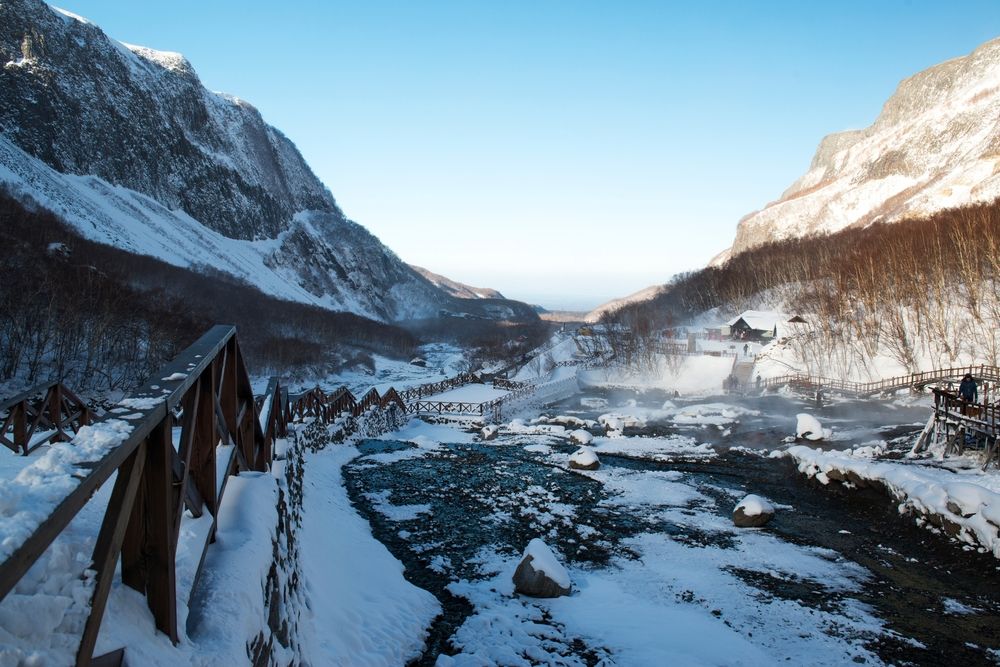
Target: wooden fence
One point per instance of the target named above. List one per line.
(223, 430)
(432, 388)
(46, 413)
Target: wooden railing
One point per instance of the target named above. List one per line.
(492, 408)
(988, 373)
(432, 388)
(511, 385)
(164, 471)
(46, 413)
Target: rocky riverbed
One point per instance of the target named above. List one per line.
(658, 568)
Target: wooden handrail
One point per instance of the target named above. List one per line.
(206, 391)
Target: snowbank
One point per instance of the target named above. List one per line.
(363, 610)
(966, 510)
(656, 449)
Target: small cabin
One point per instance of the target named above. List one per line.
(758, 325)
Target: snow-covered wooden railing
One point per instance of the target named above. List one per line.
(47, 413)
(432, 388)
(206, 392)
(173, 444)
(809, 382)
(326, 407)
(491, 409)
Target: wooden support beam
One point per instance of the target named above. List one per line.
(203, 464)
(161, 584)
(108, 547)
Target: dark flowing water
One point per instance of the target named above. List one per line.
(913, 571)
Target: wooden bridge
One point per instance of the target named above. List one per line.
(913, 381)
(195, 424)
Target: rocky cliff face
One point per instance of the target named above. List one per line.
(126, 144)
(936, 145)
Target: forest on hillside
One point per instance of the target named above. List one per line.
(918, 290)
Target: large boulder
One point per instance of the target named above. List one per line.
(490, 431)
(584, 458)
(540, 574)
(581, 437)
(753, 512)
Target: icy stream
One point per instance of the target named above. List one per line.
(659, 570)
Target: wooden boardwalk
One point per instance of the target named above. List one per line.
(912, 381)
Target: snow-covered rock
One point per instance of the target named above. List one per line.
(808, 428)
(540, 574)
(581, 436)
(489, 432)
(616, 423)
(584, 459)
(753, 512)
(933, 147)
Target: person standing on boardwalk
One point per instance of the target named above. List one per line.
(967, 390)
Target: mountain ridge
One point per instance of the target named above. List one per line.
(126, 145)
(932, 147)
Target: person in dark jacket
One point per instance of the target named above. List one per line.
(968, 391)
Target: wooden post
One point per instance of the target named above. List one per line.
(161, 584)
(21, 427)
(56, 411)
(203, 472)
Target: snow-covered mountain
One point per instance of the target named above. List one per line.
(457, 289)
(936, 145)
(125, 144)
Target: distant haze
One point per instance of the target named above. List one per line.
(562, 152)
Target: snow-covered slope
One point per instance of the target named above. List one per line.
(642, 295)
(936, 145)
(457, 289)
(127, 145)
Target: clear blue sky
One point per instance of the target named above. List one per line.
(562, 152)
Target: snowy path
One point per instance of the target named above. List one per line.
(363, 611)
